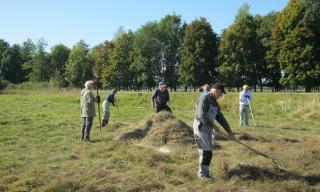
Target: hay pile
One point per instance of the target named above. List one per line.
(161, 128)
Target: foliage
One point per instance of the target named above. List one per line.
(58, 57)
(39, 65)
(199, 52)
(101, 56)
(118, 73)
(240, 53)
(79, 65)
(296, 45)
(11, 65)
(147, 57)
(171, 36)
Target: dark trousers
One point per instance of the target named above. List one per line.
(86, 127)
(163, 108)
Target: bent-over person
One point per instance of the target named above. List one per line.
(110, 99)
(160, 99)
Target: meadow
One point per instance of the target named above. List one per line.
(40, 147)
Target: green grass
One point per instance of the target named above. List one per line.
(40, 148)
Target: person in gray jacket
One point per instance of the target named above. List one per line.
(208, 110)
(87, 109)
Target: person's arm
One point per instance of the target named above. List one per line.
(112, 100)
(154, 95)
(205, 105)
(90, 97)
(224, 123)
(242, 98)
(216, 128)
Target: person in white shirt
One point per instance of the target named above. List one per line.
(245, 99)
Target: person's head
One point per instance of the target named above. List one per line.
(217, 90)
(89, 84)
(205, 88)
(114, 91)
(246, 88)
(162, 86)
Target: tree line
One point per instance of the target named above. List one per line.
(278, 50)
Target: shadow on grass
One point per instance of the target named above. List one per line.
(135, 134)
(295, 129)
(248, 137)
(251, 172)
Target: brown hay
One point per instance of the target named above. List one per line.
(162, 128)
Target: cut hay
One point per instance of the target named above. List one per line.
(161, 128)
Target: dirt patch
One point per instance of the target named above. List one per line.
(73, 157)
(291, 140)
(161, 128)
(116, 125)
(316, 154)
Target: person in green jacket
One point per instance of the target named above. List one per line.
(87, 109)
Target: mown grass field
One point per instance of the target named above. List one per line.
(40, 149)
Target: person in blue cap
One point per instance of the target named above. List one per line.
(160, 98)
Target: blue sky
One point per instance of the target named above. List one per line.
(68, 21)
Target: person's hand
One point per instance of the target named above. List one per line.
(200, 125)
(168, 103)
(98, 98)
(232, 137)
(247, 96)
(216, 129)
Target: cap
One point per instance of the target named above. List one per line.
(219, 86)
(161, 83)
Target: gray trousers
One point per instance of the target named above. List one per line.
(86, 127)
(204, 137)
(106, 113)
(244, 114)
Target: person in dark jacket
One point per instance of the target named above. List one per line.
(160, 99)
(208, 110)
(110, 99)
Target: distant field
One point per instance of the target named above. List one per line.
(40, 148)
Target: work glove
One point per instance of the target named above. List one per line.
(98, 98)
(232, 137)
